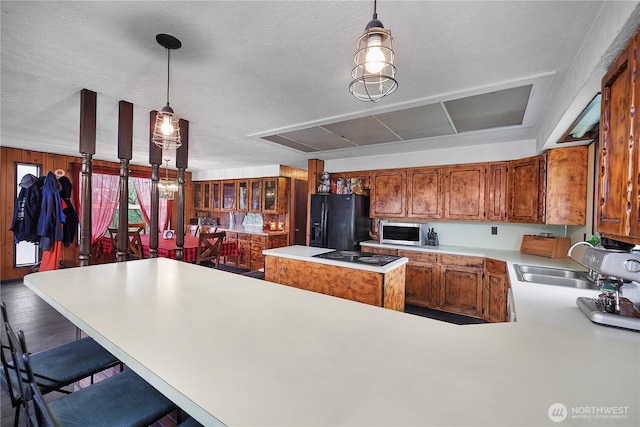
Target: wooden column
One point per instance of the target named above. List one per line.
(155, 159)
(87, 149)
(125, 148)
(182, 160)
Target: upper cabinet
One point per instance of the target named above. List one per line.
(255, 195)
(565, 192)
(388, 190)
(228, 195)
(242, 197)
(215, 195)
(524, 187)
(464, 192)
(274, 195)
(496, 191)
(424, 198)
(618, 203)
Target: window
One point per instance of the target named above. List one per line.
(26, 253)
(135, 212)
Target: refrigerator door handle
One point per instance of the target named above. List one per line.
(325, 238)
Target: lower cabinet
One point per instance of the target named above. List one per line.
(250, 247)
(496, 283)
(461, 284)
(471, 286)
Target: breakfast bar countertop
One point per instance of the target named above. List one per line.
(243, 351)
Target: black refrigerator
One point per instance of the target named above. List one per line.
(339, 221)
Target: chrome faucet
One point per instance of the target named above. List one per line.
(593, 275)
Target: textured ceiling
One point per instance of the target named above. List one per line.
(247, 70)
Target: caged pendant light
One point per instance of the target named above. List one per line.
(167, 186)
(166, 132)
(374, 73)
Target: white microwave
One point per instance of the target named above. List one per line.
(401, 233)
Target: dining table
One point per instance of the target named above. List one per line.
(167, 247)
(234, 350)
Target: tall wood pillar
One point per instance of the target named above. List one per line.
(125, 148)
(87, 149)
(155, 159)
(182, 161)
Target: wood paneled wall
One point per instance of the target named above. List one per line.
(9, 157)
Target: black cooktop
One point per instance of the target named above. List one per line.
(358, 257)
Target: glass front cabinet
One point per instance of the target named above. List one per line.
(255, 195)
(243, 196)
(274, 195)
(228, 195)
(215, 195)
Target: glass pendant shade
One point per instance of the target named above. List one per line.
(374, 73)
(166, 132)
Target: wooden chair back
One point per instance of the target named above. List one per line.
(140, 226)
(134, 243)
(209, 248)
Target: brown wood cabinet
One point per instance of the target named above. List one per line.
(618, 203)
(259, 243)
(368, 287)
(464, 192)
(524, 188)
(496, 191)
(274, 195)
(255, 195)
(228, 194)
(242, 198)
(422, 281)
(388, 192)
(425, 190)
(461, 284)
(565, 199)
(496, 285)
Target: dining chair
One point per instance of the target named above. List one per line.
(54, 368)
(140, 226)
(134, 243)
(192, 230)
(209, 248)
(124, 399)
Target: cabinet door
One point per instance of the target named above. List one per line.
(425, 193)
(228, 195)
(461, 284)
(231, 237)
(615, 163)
(422, 279)
(496, 194)
(197, 195)
(495, 292)
(524, 190)
(243, 195)
(244, 251)
(206, 195)
(566, 186)
(464, 192)
(215, 195)
(388, 193)
(255, 195)
(274, 195)
(634, 169)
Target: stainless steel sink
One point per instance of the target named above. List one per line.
(554, 276)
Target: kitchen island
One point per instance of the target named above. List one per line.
(249, 352)
(297, 266)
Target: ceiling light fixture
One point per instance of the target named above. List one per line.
(167, 186)
(374, 73)
(166, 133)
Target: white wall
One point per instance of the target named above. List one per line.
(238, 173)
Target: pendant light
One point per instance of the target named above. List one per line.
(167, 186)
(374, 73)
(166, 133)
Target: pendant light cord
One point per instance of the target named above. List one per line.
(168, 62)
(375, 14)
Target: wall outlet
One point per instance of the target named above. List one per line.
(494, 231)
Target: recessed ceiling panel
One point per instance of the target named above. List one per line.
(489, 110)
(363, 131)
(419, 122)
(318, 138)
(289, 143)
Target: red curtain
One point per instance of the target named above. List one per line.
(143, 192)
(104, 198)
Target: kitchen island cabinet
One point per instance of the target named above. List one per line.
(295, 266)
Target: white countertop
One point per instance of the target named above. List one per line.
(240, 351)
(538, 303)
(307, 253)
(251, 229)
